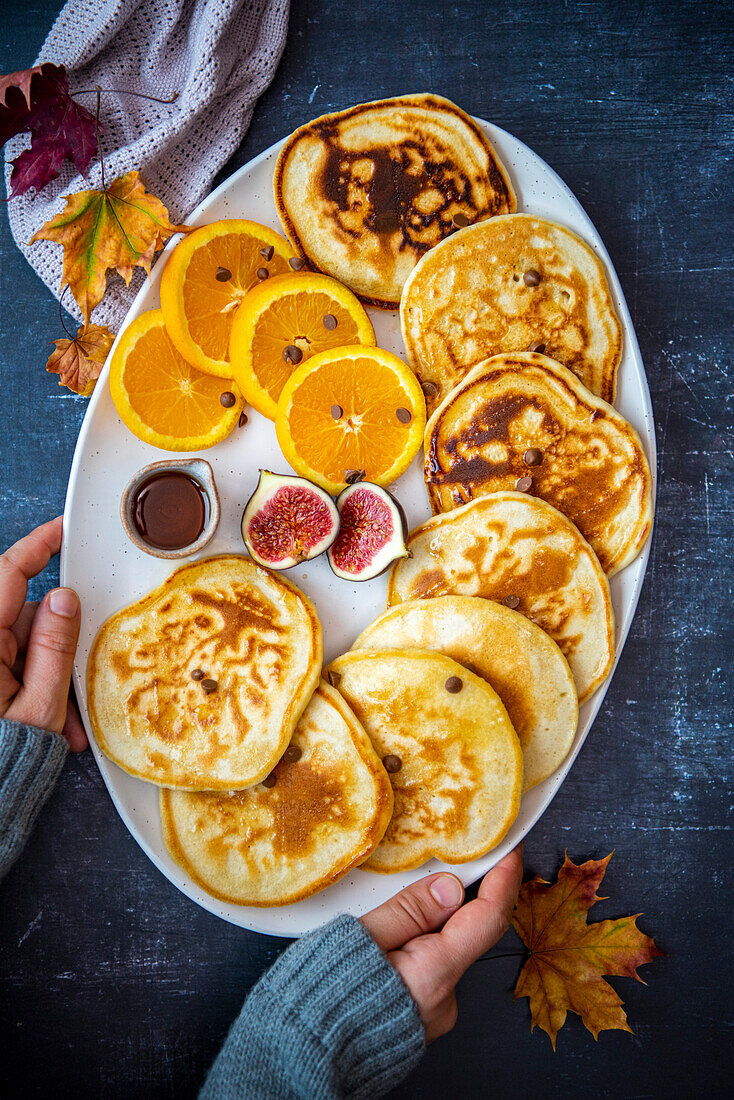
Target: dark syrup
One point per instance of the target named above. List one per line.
(170, 510)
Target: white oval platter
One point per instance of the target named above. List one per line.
(108, 572)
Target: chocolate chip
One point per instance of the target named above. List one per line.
(404, 415)
(334, 678)
(538, 346)
(392, 763)
(197, 674)
(523, 484)
(330, 321)
(512, 602)
(227, 399)
(262, 273)
(223, 274)
(292, 753)
(454, 684)
(531, 277)
(430, 389)
(208, 686)
(269, 780)
(296, 263)
(352, 476)
(242, 420)
(336, 412)
(267, 252)
(292, 354)
(460, 220)
(533, 456)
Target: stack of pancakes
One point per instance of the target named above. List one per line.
(274, 782)
(464, 693)
(210, 688)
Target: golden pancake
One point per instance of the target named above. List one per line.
(516, 548)
(364, 193)
(518, 659)
(524, 421)
(326, 811)
(469, 299)
(458, 779)
(199, 684)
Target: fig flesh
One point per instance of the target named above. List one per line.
(288, 520)
(372, 532)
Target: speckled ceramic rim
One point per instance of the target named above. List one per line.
(202, 472)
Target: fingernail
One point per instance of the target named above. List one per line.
(64, 602)
(447, 891)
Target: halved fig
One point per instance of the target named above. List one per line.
(288, 520)
(372, 532)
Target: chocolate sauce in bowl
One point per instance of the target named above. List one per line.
(169, 510)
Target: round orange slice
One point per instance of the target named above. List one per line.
(351, 408)
(206, 277)
(161, 398)
(286, 321)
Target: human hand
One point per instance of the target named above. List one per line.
(430, 961)
(38, 641)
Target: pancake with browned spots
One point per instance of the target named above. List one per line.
(364, 193)
(518, 550)
(453, 757)
(518, 659)
(321, 812)
(524, 421)
(506, 285)
(199, 684)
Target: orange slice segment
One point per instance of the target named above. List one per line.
(286, 321)
(161, 398)
(351, 408)
(206, 277)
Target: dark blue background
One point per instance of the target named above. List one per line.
(111, 982)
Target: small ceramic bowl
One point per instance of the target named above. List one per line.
(200, 471)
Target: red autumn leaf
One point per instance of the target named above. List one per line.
(78, 362)
(38, 101)
(569, 957)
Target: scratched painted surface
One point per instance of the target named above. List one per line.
(113, 984)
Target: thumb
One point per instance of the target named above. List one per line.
(42, 700)
(480, 923)
(422, 907)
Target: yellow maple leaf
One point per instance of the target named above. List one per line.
(568, 956)
(78, 362)
(120, 228)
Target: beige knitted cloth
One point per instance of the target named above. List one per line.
(219, 55)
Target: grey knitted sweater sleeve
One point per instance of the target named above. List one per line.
(331, 1019)
(30, 763)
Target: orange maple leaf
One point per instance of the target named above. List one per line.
(568, 956)
(78, 362)
(120, 228)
